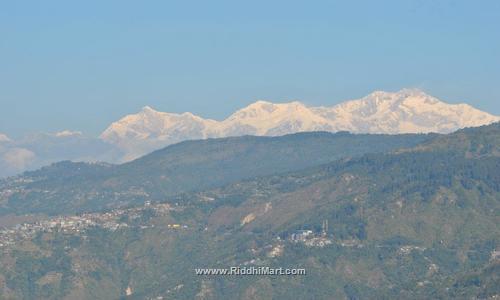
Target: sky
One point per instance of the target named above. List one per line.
(80, 65)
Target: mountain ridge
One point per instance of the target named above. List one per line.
(184, 167)
(405, 111)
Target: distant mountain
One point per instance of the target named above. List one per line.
(406, 111)
(188, 166)
(151, 130)
(37, 150)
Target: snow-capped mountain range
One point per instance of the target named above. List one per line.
(406, 111)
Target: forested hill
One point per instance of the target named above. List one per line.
(471, 142)
(68, 187)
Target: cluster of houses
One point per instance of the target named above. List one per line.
(79, 223)
(311, 239)
(177, 226)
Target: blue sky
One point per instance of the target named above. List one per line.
(81, 65)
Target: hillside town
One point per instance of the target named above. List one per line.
(75, 224)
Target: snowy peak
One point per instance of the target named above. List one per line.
(379, 101)
(266, 118)
(68, 133)
(149, 122)
(148, 109)
(262, 108)
(405, 111)
(149, 129)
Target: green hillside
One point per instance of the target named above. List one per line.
(68, 187)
